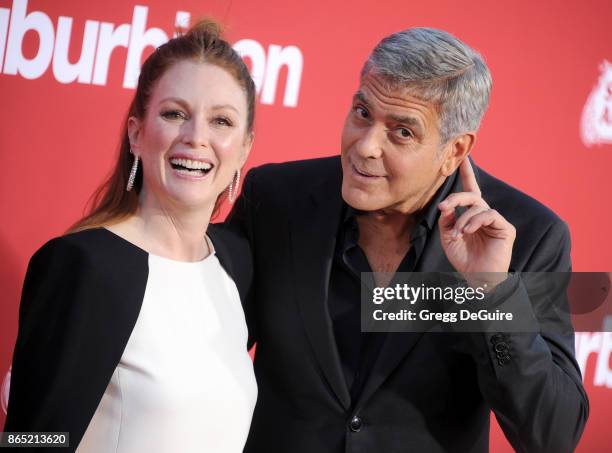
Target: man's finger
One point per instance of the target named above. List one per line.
(468, 178)
(467, 216)
(493, 219)
(446, 221)
(462, 199)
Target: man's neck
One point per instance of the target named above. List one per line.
(385, 240)
(385, 226)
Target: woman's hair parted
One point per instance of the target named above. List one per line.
(111, 203)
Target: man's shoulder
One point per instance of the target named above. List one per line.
(228, 239)
(312, 171)
(516, 206)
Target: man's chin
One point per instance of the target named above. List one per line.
(359, 200)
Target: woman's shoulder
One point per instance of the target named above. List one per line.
(68, 269)
(95, 246)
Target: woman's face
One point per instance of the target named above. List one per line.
(193, 136)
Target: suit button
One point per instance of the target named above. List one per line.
(355, 424)
(501, 347)
(503, 360)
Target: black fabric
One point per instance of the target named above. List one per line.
(80, 301)
(428, 392)
(358, 350)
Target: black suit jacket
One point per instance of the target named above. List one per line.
(429, 392)
(80, 301)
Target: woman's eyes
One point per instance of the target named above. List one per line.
(223, 121)
(174, 115)
(180, 115)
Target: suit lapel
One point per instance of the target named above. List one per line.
(398, 345)
(394, 349)
(314, 225)
(314, 228)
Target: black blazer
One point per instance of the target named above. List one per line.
(80, 301)
(429, 392)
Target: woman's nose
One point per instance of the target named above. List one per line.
(196, 133)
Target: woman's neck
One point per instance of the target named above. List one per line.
(167, 229)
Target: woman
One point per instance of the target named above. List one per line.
(131, 332)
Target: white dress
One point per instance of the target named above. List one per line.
(185, 382)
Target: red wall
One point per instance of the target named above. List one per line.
(548, 130)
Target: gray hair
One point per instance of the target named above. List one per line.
(442, 69)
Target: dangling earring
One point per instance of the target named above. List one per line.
(132, 177)
(233, 187)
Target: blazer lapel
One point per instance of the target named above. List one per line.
(314, 225)
(394, 349)
(398, 345)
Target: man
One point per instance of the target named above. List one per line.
(389, 203)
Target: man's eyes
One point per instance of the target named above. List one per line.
(400, 132)
(403, 132)
(361, 111)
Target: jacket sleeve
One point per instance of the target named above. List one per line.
(241, 221)
(44, 369)
(531, 379)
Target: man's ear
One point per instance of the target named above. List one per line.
(134, 127)
(455, 151)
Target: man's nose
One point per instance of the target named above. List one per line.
(370, 144)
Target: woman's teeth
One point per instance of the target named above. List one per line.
(191, 167)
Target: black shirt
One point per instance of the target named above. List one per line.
(358, 350)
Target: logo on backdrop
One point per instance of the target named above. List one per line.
(100, 39)
(595, 350)
(596, 122)
(4, 395)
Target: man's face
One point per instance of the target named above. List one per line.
(391, 150)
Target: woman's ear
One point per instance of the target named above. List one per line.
(133, 130)
(246, 150)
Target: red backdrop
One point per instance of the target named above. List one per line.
(548, 130)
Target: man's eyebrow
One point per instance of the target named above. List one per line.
(359, 96)
(411, 120)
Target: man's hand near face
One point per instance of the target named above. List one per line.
(479, 240)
